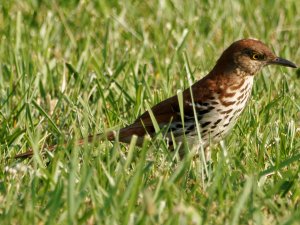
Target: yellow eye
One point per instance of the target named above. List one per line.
(255, 56)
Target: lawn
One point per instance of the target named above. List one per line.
(73, 68)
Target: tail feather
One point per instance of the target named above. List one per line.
(109, 136)
(123, 135)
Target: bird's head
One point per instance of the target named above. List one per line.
(249, 56)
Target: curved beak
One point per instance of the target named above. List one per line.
(282, 62)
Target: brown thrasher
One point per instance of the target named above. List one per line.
(217, 100)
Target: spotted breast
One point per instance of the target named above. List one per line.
(217, 115)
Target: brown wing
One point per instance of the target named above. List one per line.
(167, 112)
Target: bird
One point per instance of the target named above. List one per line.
(213, 103)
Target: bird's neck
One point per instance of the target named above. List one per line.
(232, 79)
(239, 84)
(229, 87)
(236, 92)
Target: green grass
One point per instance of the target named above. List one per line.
(73, 68)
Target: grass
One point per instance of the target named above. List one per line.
(73, 68)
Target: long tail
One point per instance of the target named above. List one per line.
(109, 136)
(124, 135)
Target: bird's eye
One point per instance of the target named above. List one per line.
(255, 56)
